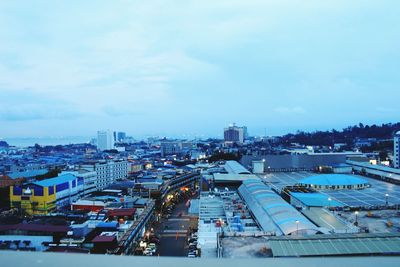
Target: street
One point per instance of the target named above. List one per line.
(174, 230)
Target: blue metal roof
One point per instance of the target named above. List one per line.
(27, 174)
(333, 179)
(57, 180)
(316, 200)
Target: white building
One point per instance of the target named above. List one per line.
(396, 150)
(108, 172)
(89, 178)
(105, 140)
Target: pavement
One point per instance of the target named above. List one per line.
(173, 238)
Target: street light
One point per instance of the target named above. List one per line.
(356, 213)
(386, 198)
(329, 203)
(297, 227)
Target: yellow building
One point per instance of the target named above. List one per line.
(43, 197)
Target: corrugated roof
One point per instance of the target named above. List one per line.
(232, 166)
(272, 212)
(331, 245)
(57, 180)
(333, 179)
(27, 174)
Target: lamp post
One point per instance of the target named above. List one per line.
(297, 227)
(386, 199)
(356, 213)
(329, 203)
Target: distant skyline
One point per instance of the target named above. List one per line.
(153, 68)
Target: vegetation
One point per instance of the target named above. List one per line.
(346, 136)
(224, 156)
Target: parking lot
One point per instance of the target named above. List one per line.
(369, 197)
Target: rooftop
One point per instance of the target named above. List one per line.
(333, 179)
(56, 180)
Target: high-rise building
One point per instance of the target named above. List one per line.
(121, 136)
(235, 134)
(396, 150)
(105, 140)
(170, 148)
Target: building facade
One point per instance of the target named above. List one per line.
(396, 150)
(105, 140)
(50, 195)
(107, 172)
(235, 134)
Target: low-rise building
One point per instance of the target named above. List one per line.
(47, 196)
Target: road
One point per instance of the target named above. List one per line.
(173, 238)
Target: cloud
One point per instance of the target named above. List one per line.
(25, 105)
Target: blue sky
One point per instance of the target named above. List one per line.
(69, 68)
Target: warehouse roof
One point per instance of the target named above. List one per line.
(339, 244)
(333, 179)
(272, 212)
(234, 167)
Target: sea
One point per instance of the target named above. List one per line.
(46, 141)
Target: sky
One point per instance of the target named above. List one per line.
(190, 68)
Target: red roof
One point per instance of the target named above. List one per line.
(122, 212)
(103, 239)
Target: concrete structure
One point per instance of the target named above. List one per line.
(333, 182)
(47, 196)
(385, 173)
(105, 140)
(121, 136)
(89, 177)
(396, 150)
(301, 162)
(170, 148)
(258, 166)
(235, 134)
(107, 171)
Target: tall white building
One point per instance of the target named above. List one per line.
(105, 140)
(396, 150)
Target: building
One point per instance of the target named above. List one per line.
(121, 136)
(89, 178)
(105, 140)
(334, 182)
(396, 150)
(235, 134)
(273, 214)
(46, 196)
(170, 148)
(107, 171)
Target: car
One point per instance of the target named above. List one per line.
(151, 249)
(148, 252)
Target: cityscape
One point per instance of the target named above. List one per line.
(192, 133)
(297, 195)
